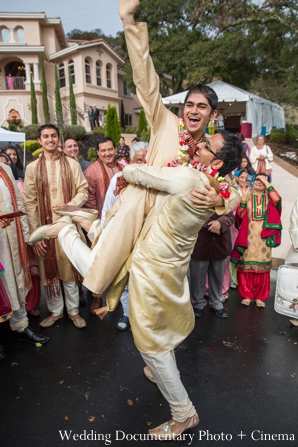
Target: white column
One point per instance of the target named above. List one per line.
(36, 79)
(27, 73)
(11, 35)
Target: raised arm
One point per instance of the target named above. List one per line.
(144, 75)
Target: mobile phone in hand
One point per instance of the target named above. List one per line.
(248, 180)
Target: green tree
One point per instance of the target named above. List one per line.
(112, 128)
(142, 124)
(34, 119)
(58, 103)
(45, 104)
(122, 115)
(72, 101)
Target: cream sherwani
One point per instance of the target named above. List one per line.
(79, 197)
(126, 217)
(14, 277)
(161, 314)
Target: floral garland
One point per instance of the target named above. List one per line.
(182, 159)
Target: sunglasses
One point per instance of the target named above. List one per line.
(208, 148)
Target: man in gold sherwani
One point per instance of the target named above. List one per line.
(126, 217)
(51, 182)
(161, 314)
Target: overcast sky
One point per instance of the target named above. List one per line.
(82, 14)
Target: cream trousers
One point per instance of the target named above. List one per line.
(166, 375)
(76, 250)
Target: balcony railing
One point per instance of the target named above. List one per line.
(12, 83)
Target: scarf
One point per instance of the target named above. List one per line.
(271, 230)
(21, 242)
(44, 199)
(106, 180)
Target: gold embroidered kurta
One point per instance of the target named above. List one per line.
(134, 203)
(79, 196)
(160, 311)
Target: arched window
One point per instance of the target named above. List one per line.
(98, 74)
(20, 35)
(72, 71)
(109, 78)
(4, 35)
(62, 75)
(87, 71)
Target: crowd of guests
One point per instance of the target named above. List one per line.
(232, 250)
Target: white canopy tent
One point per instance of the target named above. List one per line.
(6, 136)
(261, 113)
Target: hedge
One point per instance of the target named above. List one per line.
(31, 145)
(277, 136)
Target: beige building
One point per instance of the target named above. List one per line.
(24, 37)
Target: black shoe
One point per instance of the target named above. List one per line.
(123, 323)
(29, 336)
(2, 353)
(198, 313)
(221, 313)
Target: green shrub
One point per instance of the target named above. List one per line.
(92, 154)
(37, 153)
(31, 131)
(291, 134)
(129, 130)
(74, 132)
(142, 125)
(31, 145)
(277, 136)
(98, 131)
(11, 127)
(145, 135)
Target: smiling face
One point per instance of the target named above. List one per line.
(49, 141)
(259, 185)
(106, 152)
(121, 141)
(197, 114)
(13, 154)
(71, 148)
(261, 141)
(242, 178)
(206, 152)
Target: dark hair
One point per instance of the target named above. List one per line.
(230, 153)
(206, 91)
(19, 162)
(136, 140)
(47, 126)
(262, 173)
(104, 140)
(11, 164)
(249, 167)
(243, 171)
(240, 136)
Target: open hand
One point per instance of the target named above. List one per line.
(40, 248)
